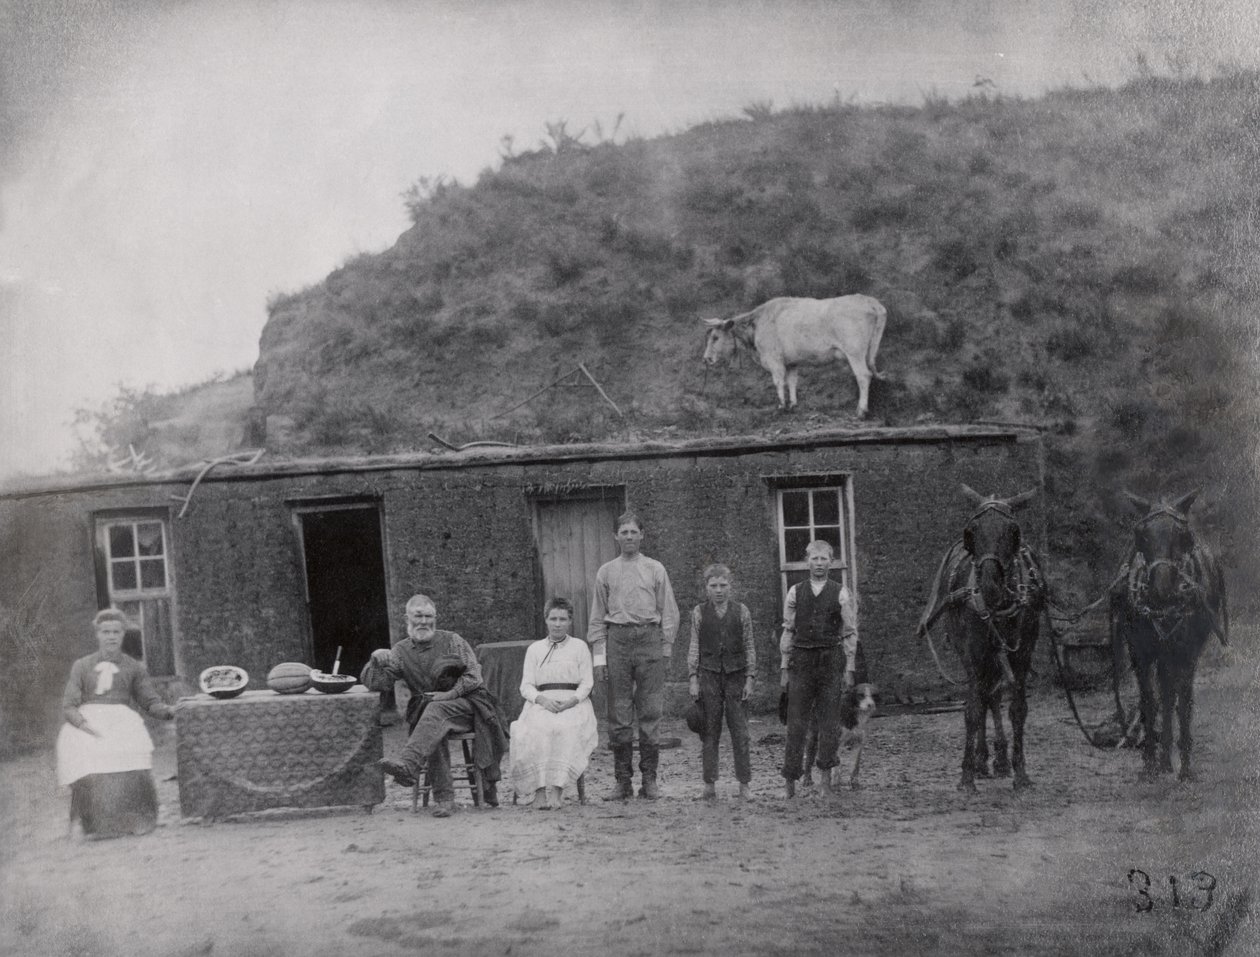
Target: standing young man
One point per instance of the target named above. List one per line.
(634, 620)
(721, 669)
(818, 662)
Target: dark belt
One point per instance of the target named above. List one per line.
(628, 624)
(558, 686)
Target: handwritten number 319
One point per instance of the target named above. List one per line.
(1197, 896)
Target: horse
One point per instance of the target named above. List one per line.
(991, 592)
(1167, 602)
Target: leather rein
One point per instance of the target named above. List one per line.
(1028, 585)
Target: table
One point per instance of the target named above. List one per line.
(502, 665)
(264, 750)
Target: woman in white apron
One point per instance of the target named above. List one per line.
(553, 738)
(104, 752)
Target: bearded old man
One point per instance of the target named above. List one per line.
(447, 697)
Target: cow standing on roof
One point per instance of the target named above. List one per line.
(787, 333)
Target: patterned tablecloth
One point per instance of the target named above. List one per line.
(264, 750)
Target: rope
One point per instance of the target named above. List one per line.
(1054, 645)
(1073, 618)
(960, 595)
(939, 667)
(997, 635)
(1126, 726)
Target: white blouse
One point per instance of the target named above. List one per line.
(562, 662)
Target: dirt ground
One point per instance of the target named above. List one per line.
(907, 865)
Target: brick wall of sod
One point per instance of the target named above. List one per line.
(465, 535)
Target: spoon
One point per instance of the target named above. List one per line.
(337, 663)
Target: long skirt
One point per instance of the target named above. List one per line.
(113, 805)
(551, 750)
(111, 785)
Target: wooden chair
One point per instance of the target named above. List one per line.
(465, 771)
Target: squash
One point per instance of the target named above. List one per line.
(289, 677)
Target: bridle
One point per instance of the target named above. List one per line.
(1027, 585)
(1003, 509)
(1189, 594)
(1026, 597)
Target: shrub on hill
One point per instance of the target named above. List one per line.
(1084, 260)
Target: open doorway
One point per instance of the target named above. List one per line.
(343, 555)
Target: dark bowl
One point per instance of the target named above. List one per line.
(331, 684)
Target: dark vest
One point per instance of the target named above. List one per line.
(818, 620)
(722, 639)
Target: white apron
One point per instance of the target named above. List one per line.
(124, 744)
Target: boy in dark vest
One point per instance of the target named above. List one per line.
(818, 660)
(722, 668)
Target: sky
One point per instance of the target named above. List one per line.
(167, 166)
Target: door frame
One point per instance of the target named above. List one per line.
(847, 562)
(336, 503)
(101, 519)
(585, 493)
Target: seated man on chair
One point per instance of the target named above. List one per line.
(427, 660)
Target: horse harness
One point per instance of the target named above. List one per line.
(1028, 586)
(1023, 583)
(1191, 595)
(1026, 593)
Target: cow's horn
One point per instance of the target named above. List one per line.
(972, 494)
(712, 323)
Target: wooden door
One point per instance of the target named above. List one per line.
(574, 536)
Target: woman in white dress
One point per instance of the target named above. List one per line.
(553, 738)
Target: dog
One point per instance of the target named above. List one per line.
(860, 709)
(854, 739)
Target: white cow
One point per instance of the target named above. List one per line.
(790, 332)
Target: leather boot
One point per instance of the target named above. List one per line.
(399, 771)
(649, 758)
(623, 768)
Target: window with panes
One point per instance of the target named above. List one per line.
(136, 555)
(812, 512)
(133, 563)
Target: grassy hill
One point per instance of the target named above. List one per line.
(1088, 260)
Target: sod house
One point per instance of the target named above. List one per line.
(277, 561)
